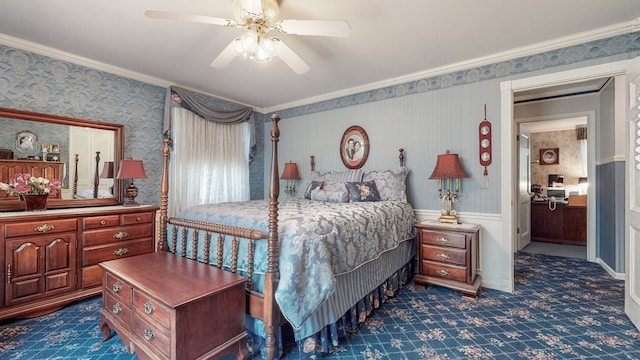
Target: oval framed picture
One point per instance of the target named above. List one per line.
(26, 142)
(354, 147)
(549, 156)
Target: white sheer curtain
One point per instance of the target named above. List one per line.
(209, 162)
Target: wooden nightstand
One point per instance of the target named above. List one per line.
(164, 306)
(448, 256)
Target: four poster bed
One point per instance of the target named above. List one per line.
(316, 264)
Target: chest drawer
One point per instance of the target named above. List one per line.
(97, 222)
(139, 218)
(105, 236)
(118, 288)
(151, 334)
(151, 308)
(40, 227)
(444, 254)
(445, 271)
(98, 254)
(443, 238)
(119, 310)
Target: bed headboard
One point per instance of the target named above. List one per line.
(96, 177)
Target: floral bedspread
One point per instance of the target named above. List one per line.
(319, 240)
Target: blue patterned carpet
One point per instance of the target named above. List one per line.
(562, 308)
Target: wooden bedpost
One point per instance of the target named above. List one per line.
(272, 277)
(312, 162)
(164, 196)
(401, 157)
(96, 176)
(75, 178)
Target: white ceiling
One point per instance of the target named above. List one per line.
(390, 42)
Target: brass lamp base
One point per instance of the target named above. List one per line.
(132, 192)
(448, 219)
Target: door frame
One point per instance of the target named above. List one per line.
(509, 130)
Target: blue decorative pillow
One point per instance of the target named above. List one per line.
(329, 196)
(312, 186)
(363, 191)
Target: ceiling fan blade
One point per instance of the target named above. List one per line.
(291, 58)
(226, 56)
(337, 28)
(167, 15)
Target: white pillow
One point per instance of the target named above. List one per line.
(391, 183)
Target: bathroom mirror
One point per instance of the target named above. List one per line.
(44, 143)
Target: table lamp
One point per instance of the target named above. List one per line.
(131, 169)
(290, 174)
(447, 168)
(107, 173)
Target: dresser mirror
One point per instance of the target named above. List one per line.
(75, 150)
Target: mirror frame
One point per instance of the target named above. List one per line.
(10, 205)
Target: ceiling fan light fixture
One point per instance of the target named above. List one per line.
(250, 46)
(245, 11)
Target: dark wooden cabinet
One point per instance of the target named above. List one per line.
(46, 169)
(562, 224)
(448, 256)
(164, 306)
(50, 258)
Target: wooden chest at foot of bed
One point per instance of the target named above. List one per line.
(165, 306)
(448, 256)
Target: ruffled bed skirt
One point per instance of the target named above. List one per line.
(330, 336)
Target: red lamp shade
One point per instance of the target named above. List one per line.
(448, 167)
(290, 172)
(131, 169)
(107, 170)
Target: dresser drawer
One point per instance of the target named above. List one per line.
(119, 289)
(442, 238)
(444, 254)
(97, 222)
(138, 218)
(445, 271)
(151, 308)
(40, 227)
(150, 334)
(117, 309)
(112, 235)
(98, 254)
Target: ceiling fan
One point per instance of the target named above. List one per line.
(260, 17)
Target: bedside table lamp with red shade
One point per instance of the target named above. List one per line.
(131, 169)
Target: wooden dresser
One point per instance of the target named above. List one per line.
(165, 306)
(46, 169)
(50, 258)
(565, 224)
(448, 256)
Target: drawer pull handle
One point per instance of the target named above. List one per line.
(138, 218)
(44, 228)
(442, 240)
(116, 309)
(148, 334)
(116, 287)
(148, 308)
(102, 222)
(443, 256)
(120, 235)
(443, 272)
(121, 252)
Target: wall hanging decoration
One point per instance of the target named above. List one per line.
(549, 156)
(27, 142)
(354, 147)
(485, 143)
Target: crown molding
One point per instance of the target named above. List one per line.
(566, 41)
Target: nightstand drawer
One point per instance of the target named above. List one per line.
(97, 222)
(151, 308)
(118, 288)
(444, 254)
(442, 238)
(440, 270)
(105, 236)
(151, 334)
(117, 309)
(98, 254)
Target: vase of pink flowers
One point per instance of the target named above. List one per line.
(34, 191)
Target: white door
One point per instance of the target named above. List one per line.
(632, 260)
(524, 186)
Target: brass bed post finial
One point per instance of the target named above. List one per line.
(164, 196)
(401, 157)
(272, 277)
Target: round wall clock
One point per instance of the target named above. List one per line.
(549, 156)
